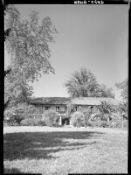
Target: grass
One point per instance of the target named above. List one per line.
(60, 153)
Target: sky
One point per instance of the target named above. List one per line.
(90, 36)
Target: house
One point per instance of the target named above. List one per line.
(60, 104)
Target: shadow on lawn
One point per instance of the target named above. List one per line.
(36, 145)
(13, 171)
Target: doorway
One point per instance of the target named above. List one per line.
(65, 121)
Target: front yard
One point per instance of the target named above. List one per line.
(59, 151)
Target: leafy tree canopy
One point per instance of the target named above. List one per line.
(84, 84)
(27, 41)
(124, 89)
(123, 107)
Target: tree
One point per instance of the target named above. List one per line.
(103, 91)
(107, 109)
(16, 90)
(123, 107)
(84, 84)
(123, 86)
(27, 41)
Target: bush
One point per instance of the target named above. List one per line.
(8, 114)
(32, 122)
(115, 124)
(51, 118)
(118, 123)
(77, 119)
(17, 118)
(12, 119)
(15, 114)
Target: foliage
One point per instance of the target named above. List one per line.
(103, 91)
(51, 118)
(77, 119)
(106, 109)
(123, 106)
(28, 44)
(84, 84)
(15, 114)
(20, 108)
(17, 118)
(124, 89)
(16, 90)
(71, 108)
(87, 116)
(13, 119)
(115, 123)
(123, 109)
(32, 122)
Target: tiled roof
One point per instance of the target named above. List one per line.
(50, 100)
(93, 100)
(77, 101)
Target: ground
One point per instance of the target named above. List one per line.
(59, 151)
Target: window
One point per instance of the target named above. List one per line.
(76, 108)
(47, 107)
(57, 108)
(61, 108)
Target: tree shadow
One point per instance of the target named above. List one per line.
(13, 171)
(37, 145)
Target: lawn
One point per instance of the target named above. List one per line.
(63, 151)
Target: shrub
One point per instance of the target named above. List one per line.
(11, 118)
(115, 124)
(32, 122)
(118, 123)
(7, 115)
(15, 114)
(51, 118)
(77, 119)
(17, 118)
